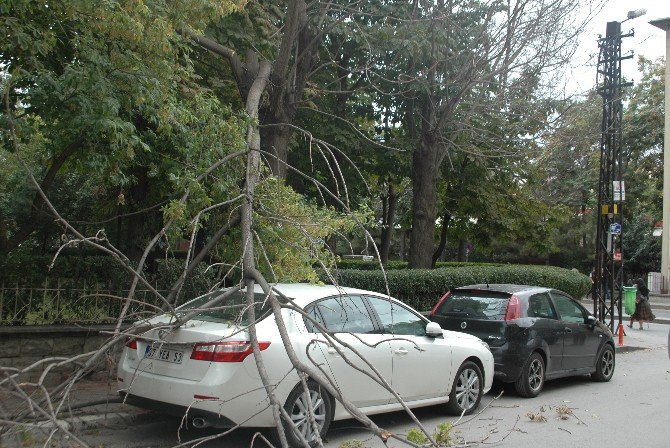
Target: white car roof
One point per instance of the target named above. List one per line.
(305, 293)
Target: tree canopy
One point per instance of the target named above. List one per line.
(433, 124)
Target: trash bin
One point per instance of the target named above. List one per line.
(629, 293)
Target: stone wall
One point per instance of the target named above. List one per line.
(23, 346)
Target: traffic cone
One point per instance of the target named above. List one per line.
(621, 331)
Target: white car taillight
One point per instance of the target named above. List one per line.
(229, 351)
(131, 343)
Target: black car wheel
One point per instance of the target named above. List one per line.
(605, 365)
(466, 392)
(530, 382)
(297, 406)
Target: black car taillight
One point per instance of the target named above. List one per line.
(513, 308)
(440, 302)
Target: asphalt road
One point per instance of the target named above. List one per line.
(631, 410)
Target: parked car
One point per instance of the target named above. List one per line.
(535, 333)
(206, 370)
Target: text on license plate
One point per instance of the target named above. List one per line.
(164, 354)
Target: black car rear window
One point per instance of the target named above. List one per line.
(487, 305)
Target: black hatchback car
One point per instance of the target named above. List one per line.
(534, 333)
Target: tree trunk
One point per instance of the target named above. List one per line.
(136, 223)
(463, 249)
(274, 140)
(28, 226)
(424, 202)
(584, 199)
(443, 238)
(388, 221)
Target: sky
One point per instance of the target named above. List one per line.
(648, 41)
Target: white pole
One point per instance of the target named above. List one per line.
(664, 24)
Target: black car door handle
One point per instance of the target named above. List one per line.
(567, 330)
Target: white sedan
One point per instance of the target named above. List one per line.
(205, 370)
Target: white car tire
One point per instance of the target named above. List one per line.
(466, 392)
(297, 407)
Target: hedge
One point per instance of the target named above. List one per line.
(364, 265)
(421, 288)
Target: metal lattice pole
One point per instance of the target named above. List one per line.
(609, 238)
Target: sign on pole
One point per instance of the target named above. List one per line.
(615, 228)
(619, 191)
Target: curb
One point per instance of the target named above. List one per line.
(657, 305)
(87, 422)
(96, 421)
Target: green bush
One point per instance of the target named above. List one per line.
(27, 269)
(421, 288)
(198, 283)
(364, 265)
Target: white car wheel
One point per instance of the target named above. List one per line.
(297, 406)
(466, 392)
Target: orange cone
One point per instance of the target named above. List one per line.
(620, 334)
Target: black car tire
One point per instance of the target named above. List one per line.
(466, 392)
(531, 381)
(296, 407)
(604, 365)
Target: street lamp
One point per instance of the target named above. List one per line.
(635, 13)
(664, 24)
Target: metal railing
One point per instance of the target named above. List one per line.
(64, 301)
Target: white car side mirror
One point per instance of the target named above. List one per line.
(433, 330)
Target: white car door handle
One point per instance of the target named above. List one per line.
(332, 351)
(400, 351)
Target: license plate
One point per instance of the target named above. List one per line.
(164, 354)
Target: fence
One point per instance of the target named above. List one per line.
(66, 302)
(655, 282)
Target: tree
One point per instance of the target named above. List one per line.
(291, 41)
(104, 93)
(643, 123)
(643, 140)
(224, 153)
(565, 176)
(258, 207)
(474, 53)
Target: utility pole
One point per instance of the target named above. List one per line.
(664, 24)
(608, 283)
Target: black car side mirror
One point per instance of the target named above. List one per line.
(591, 320)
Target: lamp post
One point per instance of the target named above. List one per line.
(664, 24)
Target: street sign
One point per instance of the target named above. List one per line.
(615, 228)
(617, 256)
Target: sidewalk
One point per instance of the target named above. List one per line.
(106, 413)
(655, 300)
(660, 302)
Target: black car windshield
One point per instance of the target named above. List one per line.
(230, 310)
(475, 305)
